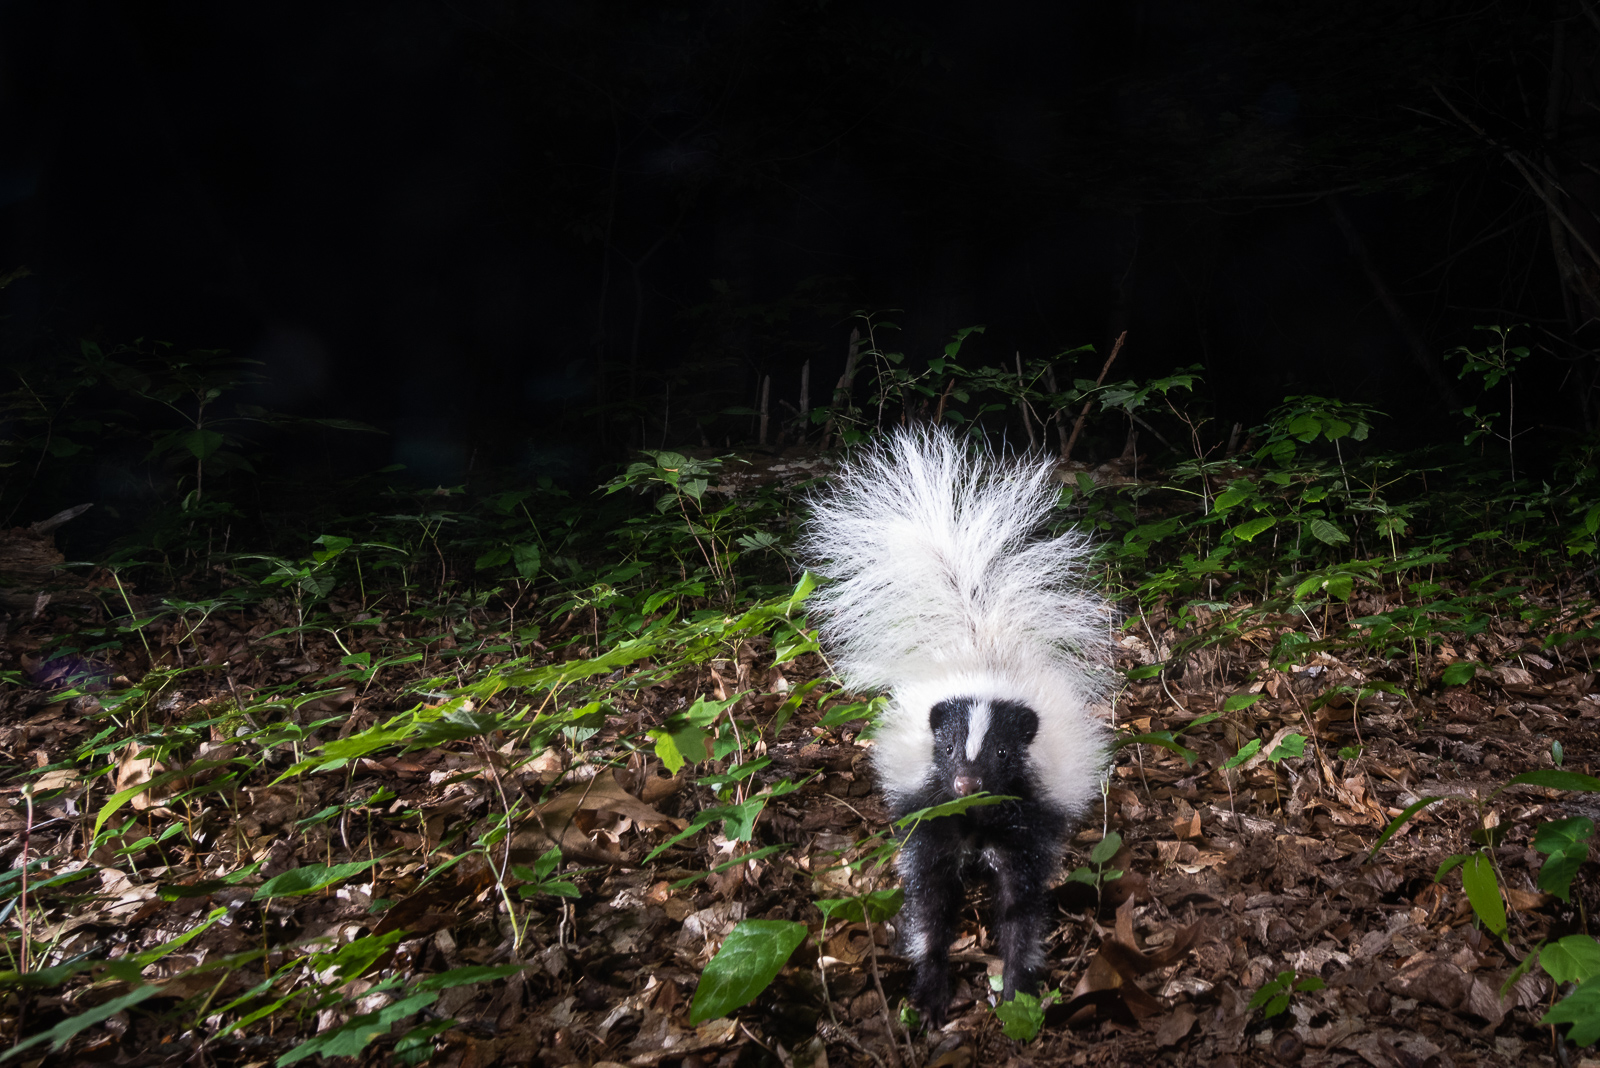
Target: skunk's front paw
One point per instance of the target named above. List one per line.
(930, 993)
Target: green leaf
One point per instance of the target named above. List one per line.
(1106, 848)
(202, 444)
(1292, 746)
(1581, 1009)
(1459, 673)
(122, 797)
(1552, 779)
(62, 1033)
(1274, 994)
(309, 879)
(951, 808)
(356, 1035)
(1241, 700)
(352, 959)
(1483, 891)
(1400, 821)
(1327, 533)
(1567, 843)
(876, 905)
(1239, 491)
(1247, 531)
(1574, 959)
(150, 956)
(414, 1047)
(749, 959)
(1021, 1018)
(527, 560)
(473, 973)
(1164, 739)
(1250, 749)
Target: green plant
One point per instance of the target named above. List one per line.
(1276, 994)
(1492, 364)
(1022, 1018)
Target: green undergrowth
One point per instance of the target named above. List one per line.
(530, 643)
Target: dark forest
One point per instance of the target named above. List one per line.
(410, 419)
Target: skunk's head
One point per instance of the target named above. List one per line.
(982, 744)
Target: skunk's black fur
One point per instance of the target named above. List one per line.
(945, 594)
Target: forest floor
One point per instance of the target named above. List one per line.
(153, 815)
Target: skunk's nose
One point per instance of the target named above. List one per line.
(966, 785)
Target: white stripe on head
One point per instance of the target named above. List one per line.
(977, 727)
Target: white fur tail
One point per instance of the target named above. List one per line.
(939, 568)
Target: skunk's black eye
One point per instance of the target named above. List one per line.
(950, 750)
(1001, 752)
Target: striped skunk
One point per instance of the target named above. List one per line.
(945, 594)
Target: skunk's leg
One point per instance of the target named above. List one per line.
(930, 865)
(1022, 913)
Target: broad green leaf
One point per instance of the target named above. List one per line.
(1459, 673)
(1327, 533)
(1567, 843)
(1021, 1018)
(352, 959)
(1239, 491)
(62, 1033)
(1106, 848)
(1483, 891)
(1241, 700)
(1248, 530)
(309, 879)
(527, 560)
(1251, 748)
(355, 1036)
(1581, 1009)
(1572, 960)
(1292, 746)
(202, 444)
(753, 954)
(685, 745)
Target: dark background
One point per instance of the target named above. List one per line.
(542, 234)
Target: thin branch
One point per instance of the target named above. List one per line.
(1077, 428)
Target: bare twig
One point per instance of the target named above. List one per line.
(1077, 428)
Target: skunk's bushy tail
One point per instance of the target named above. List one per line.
(940, 569)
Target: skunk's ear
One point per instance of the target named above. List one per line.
(1027, 725)
(942, 712)
(1018, 722)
